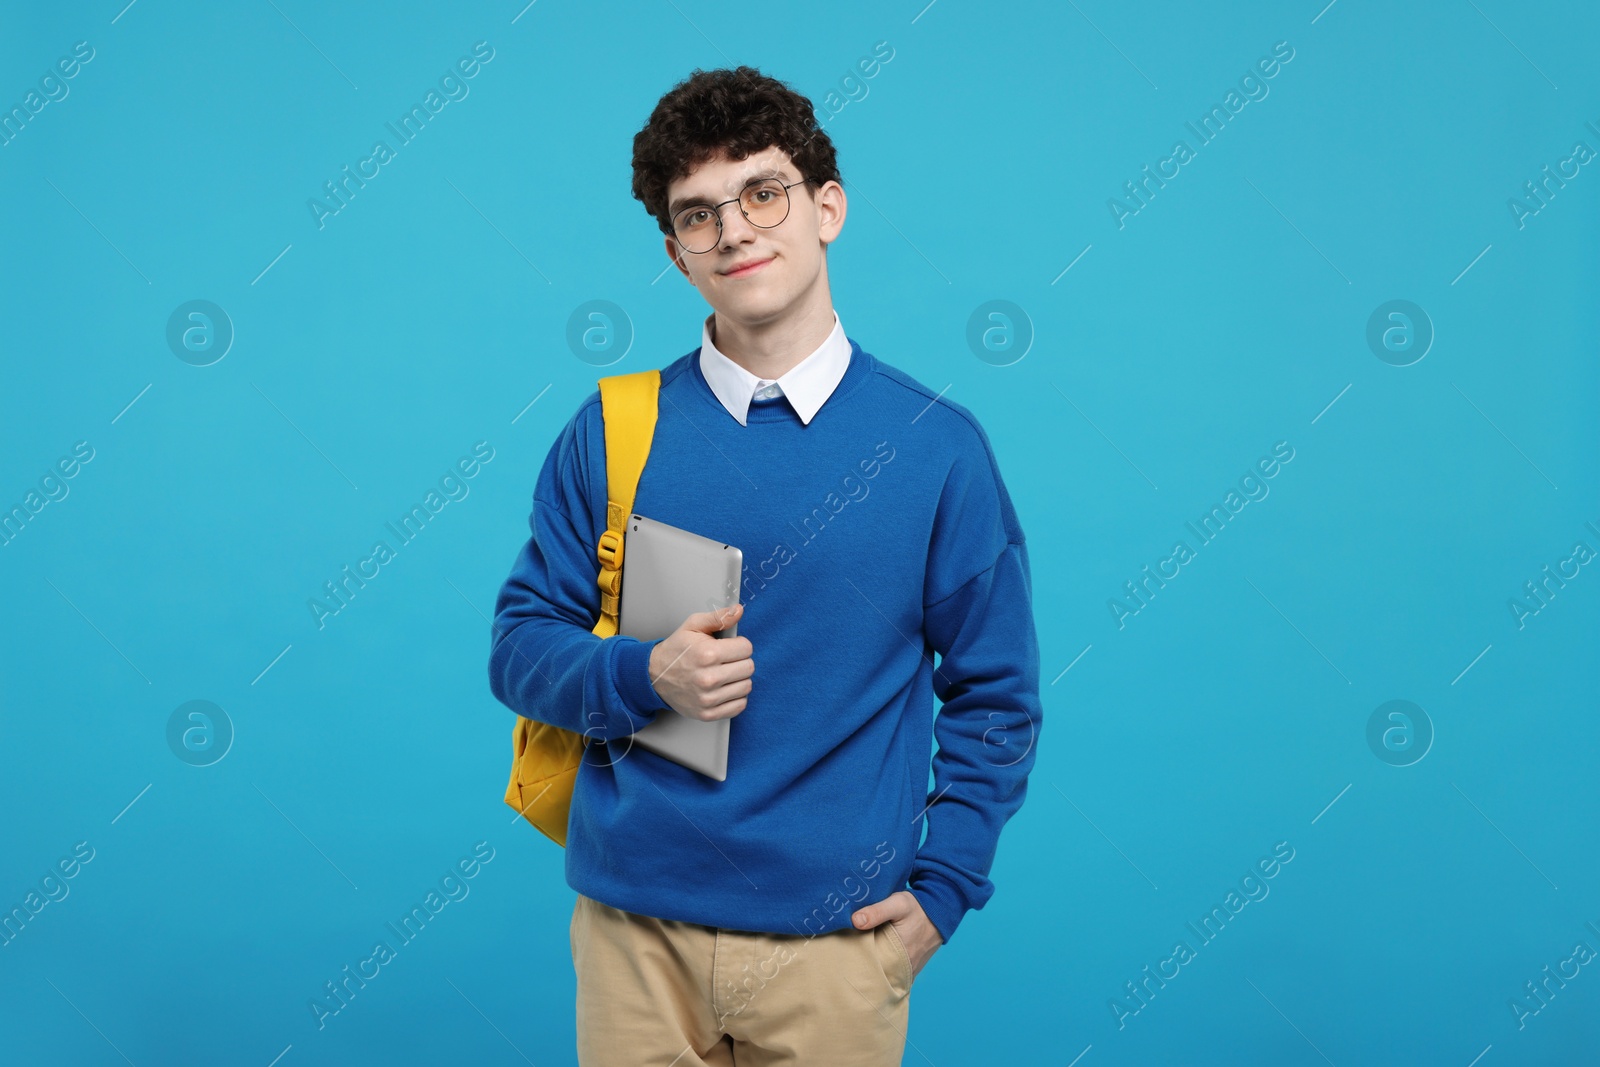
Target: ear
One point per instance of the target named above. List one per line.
(831, 208)
(675, 254)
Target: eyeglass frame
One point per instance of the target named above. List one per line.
(716, 210)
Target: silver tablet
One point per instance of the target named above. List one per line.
(668, 574)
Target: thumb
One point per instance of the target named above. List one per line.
(893, 906)
(709, 622)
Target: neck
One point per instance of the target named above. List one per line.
(772, 348)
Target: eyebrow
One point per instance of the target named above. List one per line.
(690, 201)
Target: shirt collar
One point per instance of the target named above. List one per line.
(807, 384)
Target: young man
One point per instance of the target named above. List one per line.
(780, 915)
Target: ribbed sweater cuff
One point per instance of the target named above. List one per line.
(640, 702)
(940, 901)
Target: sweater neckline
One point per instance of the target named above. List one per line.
(778, 409)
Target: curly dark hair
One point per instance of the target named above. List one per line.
(739, 112)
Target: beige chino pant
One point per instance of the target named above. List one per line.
(661, 993)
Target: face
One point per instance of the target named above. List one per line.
(783, 266)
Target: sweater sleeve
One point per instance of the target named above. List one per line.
(545, 661)
(987, 682)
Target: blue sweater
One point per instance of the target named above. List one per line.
(874, 538)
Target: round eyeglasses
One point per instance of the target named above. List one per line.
(765, 203)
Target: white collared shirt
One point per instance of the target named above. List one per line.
(807, 384)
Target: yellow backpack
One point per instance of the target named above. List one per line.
(545, 758)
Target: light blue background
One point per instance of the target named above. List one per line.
(1229, 314)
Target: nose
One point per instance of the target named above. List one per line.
(736, 229)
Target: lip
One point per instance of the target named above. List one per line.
(748, 268)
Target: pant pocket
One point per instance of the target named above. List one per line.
(901, 979)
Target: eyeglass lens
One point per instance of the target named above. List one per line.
(765, 204)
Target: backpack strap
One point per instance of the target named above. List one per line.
(628, 406)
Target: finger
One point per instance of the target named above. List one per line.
(737, 689)
(896, 905)
(727, 673)
(724, 710)
(731, 649)
(709, 622)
